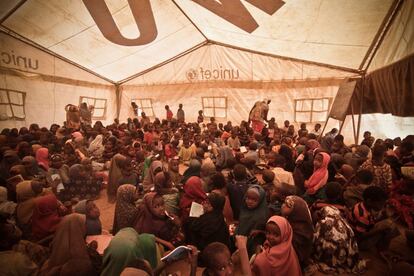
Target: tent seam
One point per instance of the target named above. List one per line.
(191, 21)
(27, 41)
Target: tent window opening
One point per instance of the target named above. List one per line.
(12, 105)
(215, 107)
(312, 110)
(144, 105)
(99, 107)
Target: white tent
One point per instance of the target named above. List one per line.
(219, 56)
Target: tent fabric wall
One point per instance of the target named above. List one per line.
(388, 86)
(70, 31)
(49, 83)
(390, 89)
(220, 63)
(380, 125)
(398, 43)
(331, 32)
(240, 76)
(120, 38)
(240, 97)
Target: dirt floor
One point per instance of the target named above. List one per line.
(376, 265)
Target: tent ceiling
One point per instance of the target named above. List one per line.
(118, 38)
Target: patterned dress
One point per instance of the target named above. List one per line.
(382, 174)
(335, 245)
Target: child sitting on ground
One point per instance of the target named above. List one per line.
(315, 184)
(219, 261)
(268, 177)
(333, 191)
(278, 196)
(279, 256)
(353, 192)
(92, 213)
(185, 152)
(210, 226)
(371, 226)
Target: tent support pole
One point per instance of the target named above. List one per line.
(382, 30)
(353, 122)
(341, 126)
(118, 100)
(361, 100)
(323, 130)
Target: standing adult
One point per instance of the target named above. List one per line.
(134, 108)
(258, 114)
(180, 114)
(85, 112)
(169, 113)
(145, 120)
(72, 116)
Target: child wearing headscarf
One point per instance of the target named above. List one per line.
(69, 253)
(92, 213)
(315, 184)
(125, 209)
(115, 173)
(42, 158)
(253, 216)
(279, 256)
(151, 218)
(96, 147)
(155, 167)
(296, 211)
(126, 246)
(164, 187)
(26, 192)
(45, 217)
(209, 227)
(193, 191)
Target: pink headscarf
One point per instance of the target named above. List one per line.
(42, 158)
(319, 177)
(193, 191)
(77, 134)
(280, 259)
(45, 216)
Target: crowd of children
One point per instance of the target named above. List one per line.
(274, 202)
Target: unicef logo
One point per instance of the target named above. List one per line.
(191, 75)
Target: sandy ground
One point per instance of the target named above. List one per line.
(376, 265)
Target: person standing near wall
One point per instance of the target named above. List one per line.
(86, 112)
(180, 114)
(258, 114)
(169, 113)
(134, 108)
(72, 116)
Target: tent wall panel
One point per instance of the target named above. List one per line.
(240, 97)
(220, 63)
(399, 40)
(380, 125)
(45, 101)
(48, 82)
